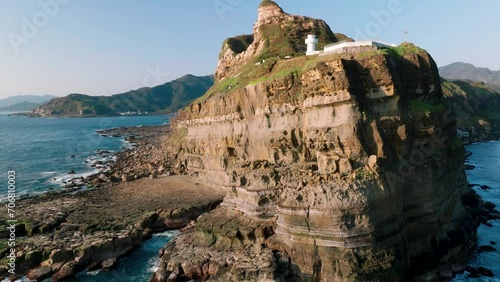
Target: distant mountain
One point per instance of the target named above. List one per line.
(476, 107)
(162, 99)
(10, 101)
(23, 106)
(464, 71)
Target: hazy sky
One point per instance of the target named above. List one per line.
(102, 47)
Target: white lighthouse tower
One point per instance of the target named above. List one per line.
(311, 42)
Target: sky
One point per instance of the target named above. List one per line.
(104, 47)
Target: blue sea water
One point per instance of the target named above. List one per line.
(137, 267)
(40, 150)
(486, 158)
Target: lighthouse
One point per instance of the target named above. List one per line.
(311, 42)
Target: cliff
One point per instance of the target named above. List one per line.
(343, 167)
(276, 34)
(161, 99)
(476, 107)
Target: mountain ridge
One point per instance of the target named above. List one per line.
(475, 105)
(467, 71)
(161, 99)
(12, 100)
(22, 106)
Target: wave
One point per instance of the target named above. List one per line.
(153, 265)
(62, 179)
(168, 234)
(127, 144)
(93, 273)
(48, 172)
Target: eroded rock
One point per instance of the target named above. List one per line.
(352, 161)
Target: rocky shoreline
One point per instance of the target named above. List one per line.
(64, 232)
(351, 163)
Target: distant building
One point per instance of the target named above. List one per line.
(343, 47)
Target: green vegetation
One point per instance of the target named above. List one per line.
(239, 43)
(178, 137)
(287, 40)
(227, 84)
(364, 173)
(454, 143)
(423, 107)
(162, 99)
(407, 49)
(451, 89)
(368, 54)
(469, 72)
(295, 71)
(258, 80)
(396, 52)
(474, 103)
(273, 67)
(265, 3)
(3, 244)
(23, 106)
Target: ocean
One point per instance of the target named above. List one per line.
(43, 151)
(137, 267)
(486, 158)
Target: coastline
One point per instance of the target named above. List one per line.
(483, 263)
(62, 233)
(136, 196)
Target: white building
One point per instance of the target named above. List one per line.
(341, 47)
(311, 42)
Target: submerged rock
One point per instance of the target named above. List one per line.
(486, 248)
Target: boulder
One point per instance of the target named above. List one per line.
(66, 271)
(345, 166)
(483, 271)
(109, 264)
(61, 255)
(128, 178)
(39, 273)
(372, 161)
(486, 248)
(327, 163)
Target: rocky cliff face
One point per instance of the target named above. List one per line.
(475, 104)
(340, 167)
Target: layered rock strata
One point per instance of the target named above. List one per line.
(351, 159)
